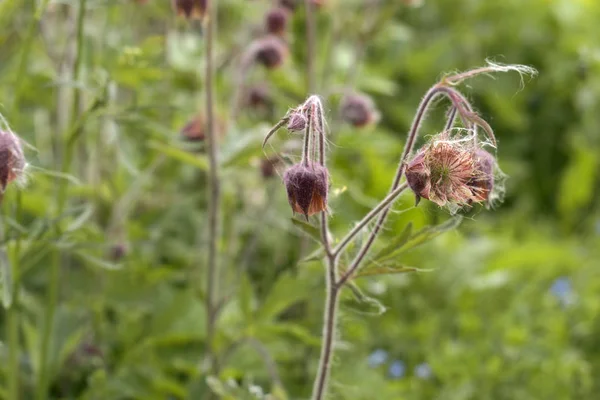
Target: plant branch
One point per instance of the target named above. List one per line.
(383, 204)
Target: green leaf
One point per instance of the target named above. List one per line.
(384, 270)
(179, 155)
(286, 291)
(396, 243)
(416, 239)
(311, 230)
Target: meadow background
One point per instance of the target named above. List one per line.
(103, 249)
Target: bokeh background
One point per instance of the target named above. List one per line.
(104, 248)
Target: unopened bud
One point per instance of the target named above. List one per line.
(297, 122)
(276, 21)
(358, 110)
(307, 188)
(12, 160)
(268, 167)
(271, 52)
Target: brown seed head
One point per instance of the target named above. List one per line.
(190, 9)
(276, 20)
(12, 160)
(271, 52)
(307, 188)
(442, 170)
(358, 110)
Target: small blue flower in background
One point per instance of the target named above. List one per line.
(423, 371)
(561, 288)
(397, 369)
(377, 358)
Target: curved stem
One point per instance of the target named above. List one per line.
(214, 189)
(435, 91)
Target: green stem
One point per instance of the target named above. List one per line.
(214, 189)
(54, 278)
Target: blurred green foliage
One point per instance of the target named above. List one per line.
(505, 307)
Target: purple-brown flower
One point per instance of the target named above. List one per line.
(358, 110)
(307, 188)
(190, 9)
(276, 21)
(271, 51)
(450, 171)
(12, 160)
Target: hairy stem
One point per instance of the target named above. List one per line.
(214, 189)
(311, 50)
(383, 204)
(329, 326)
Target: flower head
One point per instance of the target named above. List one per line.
(358, 110)
(12, 160)
(271, 51)
(307, 187)
(276, 20)
(452, 171)
(297, 121)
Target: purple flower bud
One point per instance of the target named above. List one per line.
(297, 122)
(271, 52)
(12, 160)
(276, 20)
(307, 188)
(358, 110)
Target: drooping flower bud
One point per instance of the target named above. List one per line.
(258, 97)
(271, 52)
(12, 160)
(276, 21)
(190, 9)
(358, 110)
(194, 129)
(307, 188)
(297, 122)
